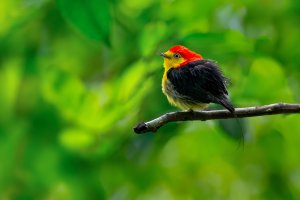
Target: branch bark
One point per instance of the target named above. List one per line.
(271, 109)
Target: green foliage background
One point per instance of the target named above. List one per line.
(77, 76)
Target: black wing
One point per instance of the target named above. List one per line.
(201, 81)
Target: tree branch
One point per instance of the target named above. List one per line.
(272, 109)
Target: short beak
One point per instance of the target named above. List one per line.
(164, 55)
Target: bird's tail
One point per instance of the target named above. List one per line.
(226, 103)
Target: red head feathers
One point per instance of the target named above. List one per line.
(187, 54)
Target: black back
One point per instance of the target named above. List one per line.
(201, 81)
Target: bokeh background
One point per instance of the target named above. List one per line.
(77, 76)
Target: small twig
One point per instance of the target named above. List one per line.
(272, 109)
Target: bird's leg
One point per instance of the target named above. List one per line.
(190, 112)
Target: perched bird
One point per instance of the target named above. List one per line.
(191, 82)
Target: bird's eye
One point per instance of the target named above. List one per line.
(177, 55)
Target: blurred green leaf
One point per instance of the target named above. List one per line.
(75, 139)
(219, 45)
(63, 90)
(261, 84)
(92, 18)
(132, 80)
(151, 36)
(10, 80)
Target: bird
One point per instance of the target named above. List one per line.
(191, 82)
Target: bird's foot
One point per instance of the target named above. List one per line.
(190, 110)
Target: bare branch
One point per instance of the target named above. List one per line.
(272, 109)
